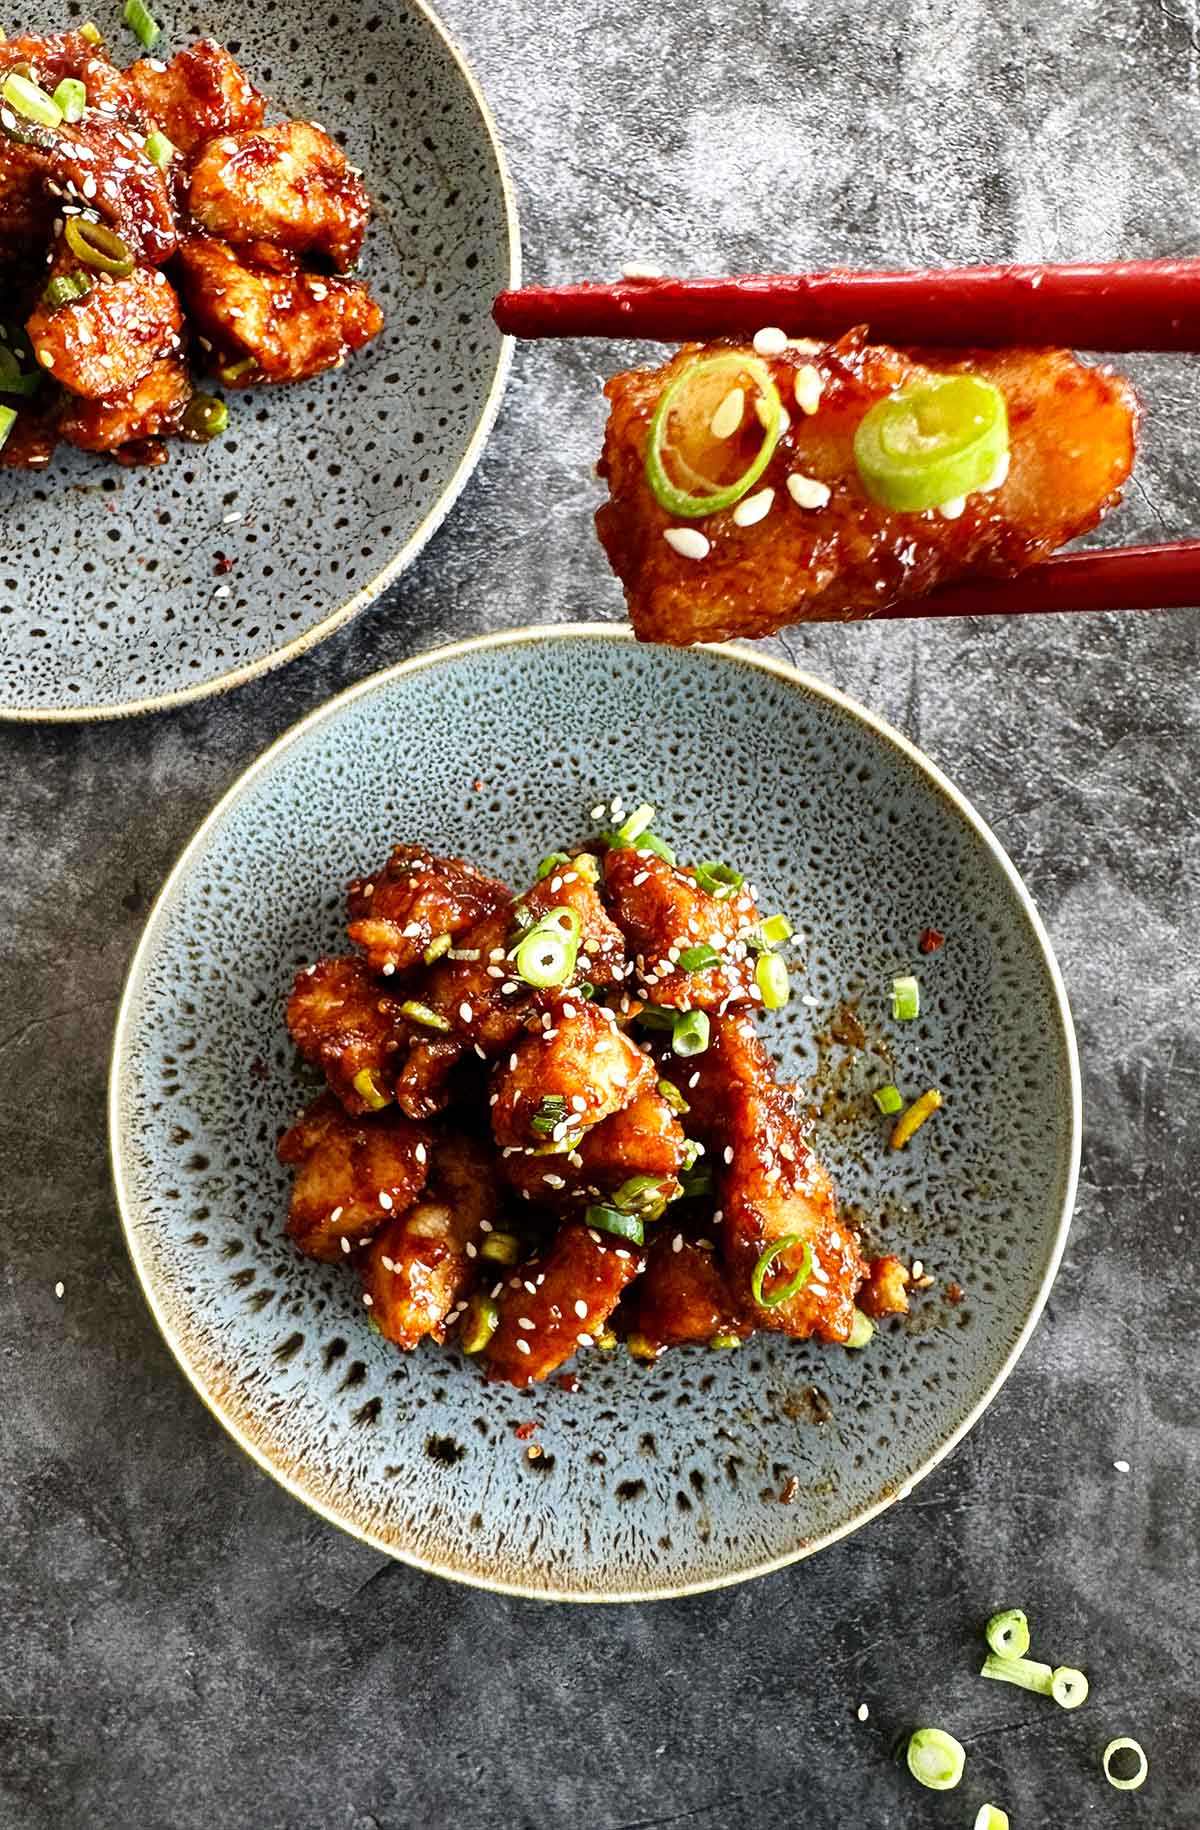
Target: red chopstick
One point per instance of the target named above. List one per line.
(1109, 578)
(1119, 305)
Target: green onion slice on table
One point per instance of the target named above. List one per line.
(862, 1333)
(889, 1101)
(1025, 1673)
(936, 1759)
(775, 930)
(1007, 1633)
(1068, 1687)
(931, 442)
(906, 999)
(991, 1817)
(1125, 1744)
(693, 470)
(98, 247)
(783, 1292)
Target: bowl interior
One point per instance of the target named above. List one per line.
(122, 588)
(657, 1480)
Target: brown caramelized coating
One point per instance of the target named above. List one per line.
(413, 900)
(1073, 433)
(26, 207)
(419, 1266)
(352, 1175)
(289, 185)
(886, 1289)
(684, 1295)
(582, 1064)
(424, 1084)
(201, 92)
(645, 1138)
(555, 1304)
(662, 911)
(102, 345)
(132, 422)
(99, 163)
(348, 1025)
(51, 58)
(257, 302)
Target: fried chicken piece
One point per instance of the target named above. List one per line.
(662, 911)
(353, 1174)
(256, 303)
(288, 185)
(52, 56)
(421, 1265)
(132, 424)
(425, 1083)
(99, 164)
(567, 1077)
(645, 1138)
(1073, 433)
(769, 1185)
(886, 1289)
(26, 207)
(348, 1025)
(102, 345)
(415, 899)
(201, 92)
(683, 1295)
(559, 1302)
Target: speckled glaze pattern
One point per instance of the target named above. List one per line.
(114, 592)
(658, 1480)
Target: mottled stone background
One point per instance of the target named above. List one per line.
(181, 1645)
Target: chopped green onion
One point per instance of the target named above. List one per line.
(991, 1817)
(91, 33)
(234, 372)
(584, 865)
(642, 1347)
(367, 1085)
(696, 1181)
(888, 1099)
(771, 977)
(650, 841)
(205, 417)
(936, 1759)
(438, 945)
(863, 1331)
(726, 1338)
(8, 419)
(608, 1219)
(584, 989)
(906, 999)
(66, 288)
(692, 1152)
(1025, 1673)
(142, 23)
(550, 863)
(481, 1318)
(159, 150)
(417, 1012)
(501, 1248)
(1125, 1744)
(707, 370)
(699, 959)
(670, 1092)
(926, 444)
(775, 930)
(794, 1285)
(1007, 1633)
(690, 1032)
(1068, 1687)
(98, 247)
(632, 829)
(646, 1196)
(717, 879)
(545, 958)
(653, 1016)
(70, 98)
(31, 103)
(912, 1120)
(552, 1109)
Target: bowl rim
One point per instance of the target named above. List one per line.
(333, 708)
(430, 522)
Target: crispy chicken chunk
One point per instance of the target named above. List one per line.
(348, 1025)
(886, 1289)
(662, 911)
(102, 345)
(257, 303)
(415, 899)
(559, 1081)
(201, 92)
(684, 1294)
(645, 1138)
(418, 1267)
(558, 1303)
(1073, 433)
(353, 1175)
(99, 163)
(131, 424)
(56, 55)
(289, 185)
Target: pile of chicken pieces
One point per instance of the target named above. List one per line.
(240, 244)
(428, 1138)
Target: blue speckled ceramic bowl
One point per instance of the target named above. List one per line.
(112, 596)
(653, 1481)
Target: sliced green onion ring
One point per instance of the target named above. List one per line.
(90, 33)
(159, 150)
(29, 101)
(1068, 1687)
(141, 22)
(690, 1032)
(438, 945)
(233, 372)
(645, 1195)
(726, 1338)
(776, 929)
(1125, 1744)
(631, 830)
(98, 247)
(481, 1318)
(368, 1086)
(717, 879)
(545, 958)
(699, 959)
(8, 419)
(608, 1219)
(650, 841)
(936, 1759)
(1007, 1633)
(654, 1016)
(500, 1248)
(930, 442)
(863, 1331)
(552, 1109)
(70, 98)
(771, 977)
(207, 417)
(550, 863)
(1025, 1673)
(710, 368)
(889, 1100)
(906, 999)
(990, 1817)
(794, 1285)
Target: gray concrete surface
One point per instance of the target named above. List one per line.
(181, 1645)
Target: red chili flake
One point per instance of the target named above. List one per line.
(222, 564)
(477, 784)
(525, 1430)
(791, 1489)
(567, 1382)
(931, 940)
(956, 1293)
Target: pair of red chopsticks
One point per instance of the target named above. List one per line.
(1123, 305)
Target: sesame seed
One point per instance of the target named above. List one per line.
(368, 1300)
(496, 953)
(527, 1285)
(512, 1064)
(385, 1200)
(729, 1153)
(581, 1308)
(597, 813)
(508, 987)
(495, 972)
(807, 492)
(677, 1243)
(918, 1268)
(524, 1347)
(728, 416)
(578, 1102)
(770, 341)
(345, 1244)
(60, 1291)
(753, 508)
(586, 1340)
(569, 1011)
(688, 542)
(1122, 1467)
(335, 1216)
(464, 1011)
(813, 1003)
(485, 1226)
(471, 1250)
(863, 1712)
(235, 514)
(808, 388)
(640, 878)
(523, 1321)
(389, 969)
(414, 927)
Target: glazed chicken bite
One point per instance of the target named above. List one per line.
(565, 1077)
(200, 93)
(415, 899)
(689, 945)
(683, 1296)
(103, 344)
(645, 1139)
(132, 423)
(352, 1175)
(348, 1025)
(288, 185)
(265, 318)
(99, 163)
(421, 1266)
(558, 1302)
(886, 1289)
